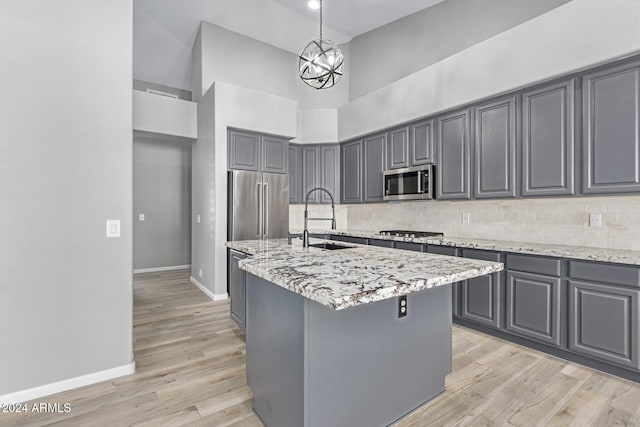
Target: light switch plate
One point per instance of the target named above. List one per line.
(198, 219)
(113, 228)
(141, 217)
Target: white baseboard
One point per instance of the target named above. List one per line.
(64, 385)
(215, 297)
(155, 269)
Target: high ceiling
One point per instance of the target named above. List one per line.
(164, 30)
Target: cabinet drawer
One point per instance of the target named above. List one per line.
(442, 250)
(608, 273)
(533, 306)
(603, 322)
(410, 246)
(381, 243)
(350, 239)
(534, 264)
(481, 255)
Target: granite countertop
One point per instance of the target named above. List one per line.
(618, 256)
(358, 275)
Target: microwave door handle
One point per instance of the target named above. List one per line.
(420, 189)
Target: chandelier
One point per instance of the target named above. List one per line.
(321, 63)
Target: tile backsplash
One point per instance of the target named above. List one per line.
(551, 220)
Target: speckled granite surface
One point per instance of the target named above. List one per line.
(560, 251)
(357, 275)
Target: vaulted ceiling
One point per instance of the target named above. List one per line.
(164, 30)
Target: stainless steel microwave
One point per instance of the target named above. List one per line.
(409, 183)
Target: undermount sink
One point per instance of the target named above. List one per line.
(329, 246)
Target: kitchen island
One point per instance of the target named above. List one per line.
(347, 337)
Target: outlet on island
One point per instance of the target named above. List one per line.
(402, 306)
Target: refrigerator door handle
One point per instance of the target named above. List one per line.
(265, 201)
(259, 216)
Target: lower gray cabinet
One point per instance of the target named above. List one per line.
(381, 243)
(237, 287)
(350, 239)
(410, 246)
(603, 322)
(481, 296)
(455, 287)
(533, 306)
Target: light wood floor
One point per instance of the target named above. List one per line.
(190, 371)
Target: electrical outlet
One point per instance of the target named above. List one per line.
(198, 219)
(595, 220)
(141, 217)
(402, 306)
(373, 216)
(466, 218)
(200, 273)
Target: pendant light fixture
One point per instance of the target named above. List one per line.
(321, 63)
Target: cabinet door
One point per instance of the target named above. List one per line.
(351, 172)
(603, 322)
(421, 143)
(495, 149)
(244, 150)
(330, 173)
(548, 155)
(533, 306)
(374, 161)
(611, 135)
(398, 148)
(481, 295)
(237, 287)
(295, 173)
(274, 154)
(455, 287)
(310, 173)
(453, 156)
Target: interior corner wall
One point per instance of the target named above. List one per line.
(197, 89)
(162, 193)
(241, 108)
(572, 36)
(65, 168)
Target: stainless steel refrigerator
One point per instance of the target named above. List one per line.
(258, 205)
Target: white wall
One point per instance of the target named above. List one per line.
(575, 35)
(164, 115)
(65, 168)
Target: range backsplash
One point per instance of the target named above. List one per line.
(551, 220)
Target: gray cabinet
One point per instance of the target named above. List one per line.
(453, 147)
(351, 172)
(548, 153)
(244, 150)
(533, 306)
(495, 149)
(259, 153)
(374, 164)
(611, 133)
(481, 296)
(603, 322)
(398, 145)
(455, 287)
(421, 143)
(330, 172)
(310, 173)
(237, 287)
(274, 154)
(295, 173)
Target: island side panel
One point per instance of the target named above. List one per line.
(275, 345)
(367, 367)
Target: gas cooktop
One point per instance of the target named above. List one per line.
(411, 234)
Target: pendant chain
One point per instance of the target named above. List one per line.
(320, 20)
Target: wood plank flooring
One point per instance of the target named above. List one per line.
(190, 371)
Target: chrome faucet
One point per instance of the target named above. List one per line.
(305, 233)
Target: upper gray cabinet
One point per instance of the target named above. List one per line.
(310, 173)
(330, 172)
(295, 173)
(259, 153)
(421, 143)
(453, 149)
(244, 150)
(548, 157)
(398, 144)
(495, 149)
(351, 173)
(374, 163)
(274, 154)
(611, 134)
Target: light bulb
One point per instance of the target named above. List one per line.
(313, 4)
